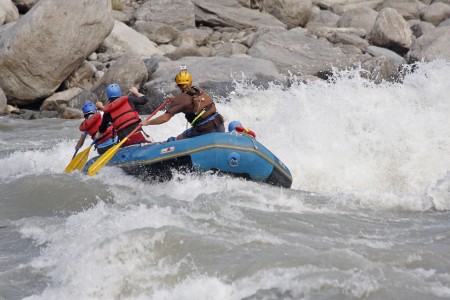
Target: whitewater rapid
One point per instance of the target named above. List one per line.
(366, 218)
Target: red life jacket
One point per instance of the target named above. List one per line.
(122, 113)
(91, 124)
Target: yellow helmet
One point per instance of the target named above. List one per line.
(183, 78)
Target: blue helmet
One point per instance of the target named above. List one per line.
(89, 108)
(113, 91)
(232, 126)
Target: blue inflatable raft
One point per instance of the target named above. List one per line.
(227, 153)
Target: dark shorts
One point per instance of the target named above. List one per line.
(215, 125)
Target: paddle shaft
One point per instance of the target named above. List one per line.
(76, 151)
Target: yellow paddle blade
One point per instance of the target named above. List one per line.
(83, 161)
(103, 160)
(78, 161)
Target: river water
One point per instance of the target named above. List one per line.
(367, 216)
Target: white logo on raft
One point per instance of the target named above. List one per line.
(167, 150)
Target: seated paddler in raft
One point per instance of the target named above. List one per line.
(122, 115)
(90, 125)
(199, 109)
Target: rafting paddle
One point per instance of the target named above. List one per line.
(103, 160)
(78, 161)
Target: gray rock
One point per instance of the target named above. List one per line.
(391, 31)
(328, 32)
(3, 101)
(124, 39)
(122, 16)
(80, 99)
(129, 70)
(231, 14)
(5, 27)
(445, 23)
(48, 114)
(157, 32)
(8, 12)
(362, 17)
(183, 51)
(419, 27)
(175, 13)
(293, 13)
(71, 113)
(435, 13)
(431, 45)
(379, 69)
(391, 55)
(26, 114)
(31, 75)
(228, 49)
(81, 77)
(348, 39)
(200, 35)
(322, 18)
(293, 51)
(151, 64)
(59, 100)
(346, 5)
(9, 109)
(408, 9)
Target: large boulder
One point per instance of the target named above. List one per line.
(231, 14)
(322, 18)
(420, 27)
(8, 12)
(361, 17)
(341, 8)
(388, 54)
(431, 45)
(379, 69)
(408, 9)
(391, 31)
(36, 55)
(129, 70)
(293, 51)
(125, 39)
(435, 13)
(345, 5)
(156, 32)
(293, 13)
(59, 100)
(175, 13)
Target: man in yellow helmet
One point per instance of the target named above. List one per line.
(198, 108)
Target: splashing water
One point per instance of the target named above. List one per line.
(372, 159)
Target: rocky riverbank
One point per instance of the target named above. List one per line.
(55, 55)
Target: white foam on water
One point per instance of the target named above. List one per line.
(354, 144)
